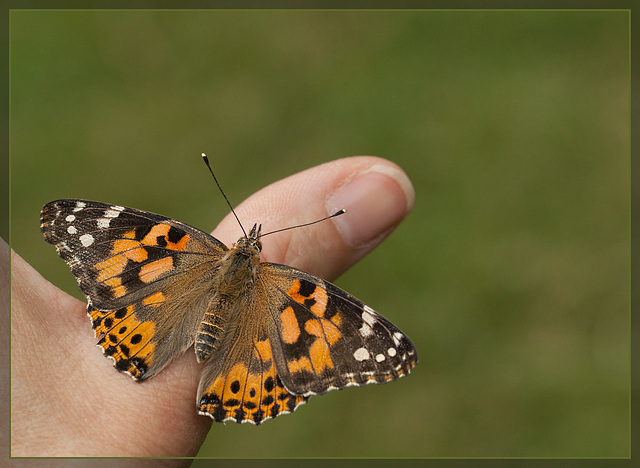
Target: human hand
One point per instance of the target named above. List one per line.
(67, 400)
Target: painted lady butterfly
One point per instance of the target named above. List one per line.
(269, 335)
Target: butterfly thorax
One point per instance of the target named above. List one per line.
(237, 270)
(235, 277)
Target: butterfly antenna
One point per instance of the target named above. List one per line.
(206, 161)
(337, 213)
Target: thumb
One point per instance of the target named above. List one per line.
(375, 192)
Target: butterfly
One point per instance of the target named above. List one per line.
(268, 336)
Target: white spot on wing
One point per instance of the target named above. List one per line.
(391, 352)
(70, 218)
(361, 354)
(380, 357)
(86, 239)
(79, 206)
(397, 336)
(369, 320)
(103, 223)
(365, 330)
(72, 230)
(113, 213)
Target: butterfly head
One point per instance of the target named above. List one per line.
(251, 242)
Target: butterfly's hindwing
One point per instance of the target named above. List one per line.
(126, 339)
(240, 381)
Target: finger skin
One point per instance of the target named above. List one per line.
(376, 193)
(67, 400)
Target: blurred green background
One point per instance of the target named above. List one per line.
(511, 275)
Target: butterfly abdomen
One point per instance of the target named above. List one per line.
(210, 330)
(235, 277)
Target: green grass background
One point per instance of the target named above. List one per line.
(511, 275)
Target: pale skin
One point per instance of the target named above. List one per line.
(66, 397)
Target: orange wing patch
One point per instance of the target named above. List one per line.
(290, 328)
(151, 271)
(299, 365)
(154, 299)
(326, 334)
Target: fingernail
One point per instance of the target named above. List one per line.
(376, 200)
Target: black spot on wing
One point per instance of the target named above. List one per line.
(175, 234)
(306, 288)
